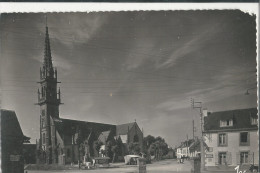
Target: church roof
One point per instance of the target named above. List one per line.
(104, 136)
(122, 129)
(68, 126)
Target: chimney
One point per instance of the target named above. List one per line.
(205, 112)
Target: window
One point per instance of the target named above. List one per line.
(226, 123)
(184, 151)
(222, 158)
(244, 157)
(68, 152)
(244, 138)
(222, 139)
(253, 121)
(43, 112)
(43, 123)
(136, 139)
(43, 138)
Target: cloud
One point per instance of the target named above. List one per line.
(174, 104)
(184, 47)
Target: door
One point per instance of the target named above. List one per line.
(222, 158)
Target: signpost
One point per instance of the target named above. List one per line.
(209, 155)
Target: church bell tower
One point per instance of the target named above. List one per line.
(49, 101)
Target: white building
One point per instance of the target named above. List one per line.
(194, 148)
(231, 137)
(184, 149)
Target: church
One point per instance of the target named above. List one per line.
(65, 141)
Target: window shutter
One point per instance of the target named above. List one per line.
(238, 158)
(250, 157)
(248, 138)
(229, 158)
(216, 158)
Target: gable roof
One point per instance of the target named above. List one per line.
(10, 126)
(104, 136)
(195, 146)
(186, 143)
(122, 129)
(241, 120)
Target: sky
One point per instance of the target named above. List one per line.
(120, 67)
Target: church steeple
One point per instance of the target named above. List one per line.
(47, 70)
(47, 64)
(49, 101)
(47, 51)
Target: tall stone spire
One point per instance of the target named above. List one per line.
(47, 51)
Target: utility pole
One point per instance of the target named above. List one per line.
(198, 105)
(193, 129)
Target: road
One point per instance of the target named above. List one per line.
(165, 166)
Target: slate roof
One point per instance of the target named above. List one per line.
(186, 143)
(241, 120)
(195, 146)
(104, 136)
(69, 127)
(10, 126)
(122, 129)
(102, 131)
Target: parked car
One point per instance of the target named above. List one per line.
(131, 159)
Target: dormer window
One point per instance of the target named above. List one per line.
(254, 120)
(226, 123)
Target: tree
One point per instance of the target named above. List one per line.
(108, 149)
(134, 148)
(156, 147)
(148, 140)
(79, 141)
(114, 149)
(97, 145)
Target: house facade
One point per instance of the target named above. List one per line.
(231, 137)
(189, 148)
(12, 139)
(184, 149)
(69, 141)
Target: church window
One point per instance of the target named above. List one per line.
(43, 112)
(68, 152)
(43, 138)
(43, 123)
(42, 91)
(136, 139)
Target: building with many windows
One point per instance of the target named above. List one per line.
(231, 137)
